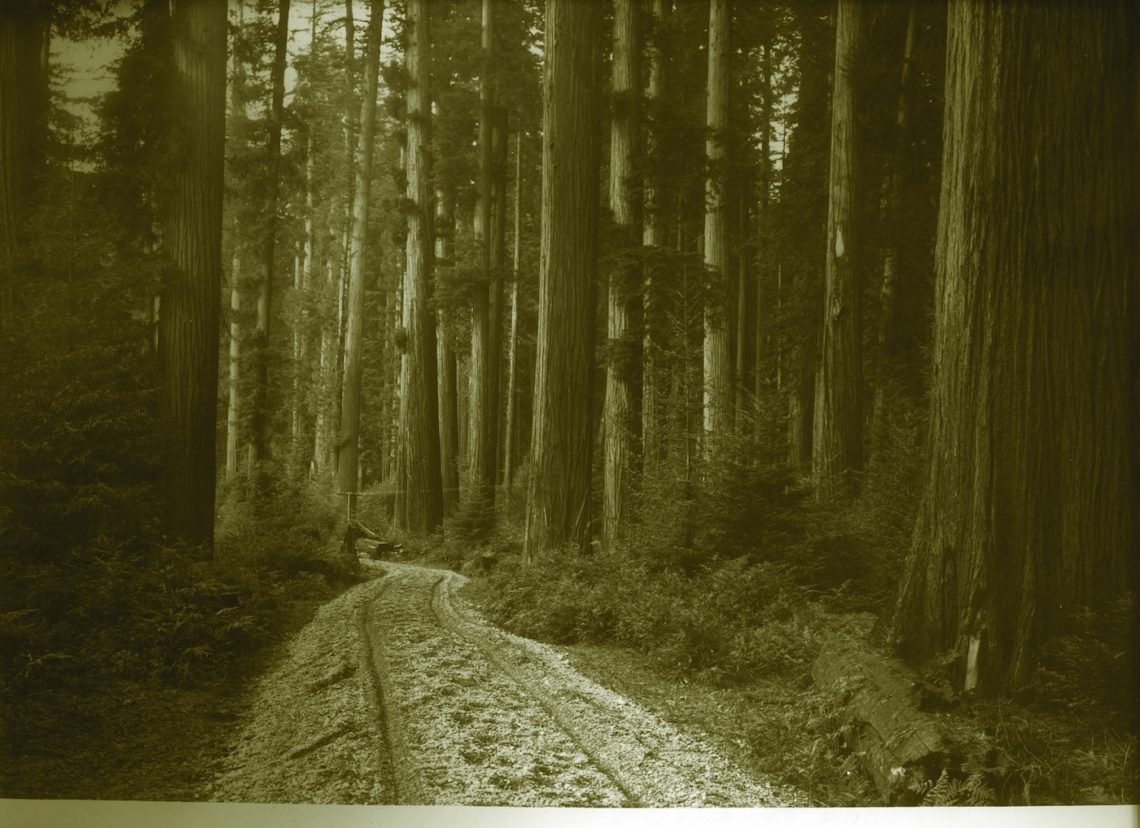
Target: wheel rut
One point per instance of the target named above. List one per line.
(393, 746)
(446, 617)
(462, 730)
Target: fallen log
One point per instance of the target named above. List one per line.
(383, 549)
(898, 745)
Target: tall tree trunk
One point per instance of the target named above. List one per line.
(837, 433)
(653, 235)
(324, 437)
(295, 357)
(765, 259)
(448, 414)
(351, 126)
(24, 46)
(801, 402)
(302, 400)
(348, 441)
(483, 408)
(233, 405)
(558, 495)
(351, 115)
(625, 209)
(259, 437)
(1028, 509)
(891, 254)
(192, 237)
(233, 386)
(419, 405)
(513, 336)
(744, 195)
(717, 365)
(800, 271)
(500, 151)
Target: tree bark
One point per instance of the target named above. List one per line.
(302, 400)
(837, 439)
(765, 257)
(513, 336)
(744, 195)
(625, 209)
(348, 441)
(892, 208)
(801, 401)
(448, 413)
(192, 237)
(259, 431)
(351, 115)
(1028, 509)
(419, 403)
(896, 743)
(803, 188)
(717, 362)
(233, 404)
(324, 437)
(500, 151)
(483, 409)
(558, 495)
(234, 393)
(653, 236)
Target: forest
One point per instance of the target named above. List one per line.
(778, 360)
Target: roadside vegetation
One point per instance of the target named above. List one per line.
(713, 609)
(122, 653)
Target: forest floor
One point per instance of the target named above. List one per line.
(400, 692)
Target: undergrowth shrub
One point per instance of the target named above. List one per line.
(728, 624)
(77, 622)
(472, 526)
(1092, 666)
(691, 515)
(805, 745)
(293, 529)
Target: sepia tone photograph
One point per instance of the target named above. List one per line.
(590, 404)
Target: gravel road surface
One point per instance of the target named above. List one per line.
(399, 692)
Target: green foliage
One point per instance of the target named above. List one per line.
(1005, 753)
(800, 738)
(730, 623)
(473, 523)
(1092, 665)
(295, 532)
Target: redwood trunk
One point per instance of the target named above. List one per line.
(233, 406)
(621, 357)
(892, 208)
(717, 359)
(419, 403)
(1030, 494)
(766, 258)
(558, 498)
(190, 310)
(487, 307)
(259, 438)
(837, 439)
(513, 336)
(653, 236)
(348, 441)
(445, 352)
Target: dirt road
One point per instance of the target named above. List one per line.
(399, 692)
